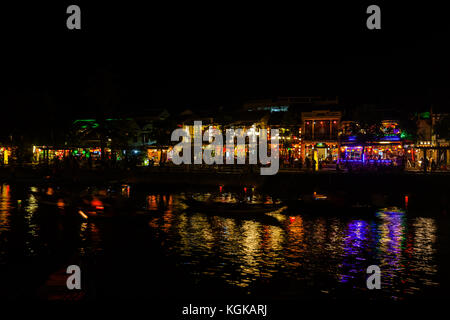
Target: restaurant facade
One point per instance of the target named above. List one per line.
(320, 136)
(389, 147)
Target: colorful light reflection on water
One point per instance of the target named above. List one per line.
(292, 257)
(331, 254)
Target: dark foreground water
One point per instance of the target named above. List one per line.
(181, 254)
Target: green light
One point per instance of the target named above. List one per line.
(425, 115)
(112, 119)
(93, 125)
(84, 120)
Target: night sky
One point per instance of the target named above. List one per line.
(128, 57)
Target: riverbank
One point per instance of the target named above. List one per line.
(285, 181)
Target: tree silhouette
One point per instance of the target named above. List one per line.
(442, 128)
(103, 97)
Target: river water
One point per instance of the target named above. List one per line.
(287, 256)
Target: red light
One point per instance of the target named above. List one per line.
(245, 189)
(96, 203)
(292, 219)
(220, 188)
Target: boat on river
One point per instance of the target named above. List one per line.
(238, 208)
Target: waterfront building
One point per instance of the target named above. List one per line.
(320, 130)
(292, 116)
(432, 144)
(383, 143)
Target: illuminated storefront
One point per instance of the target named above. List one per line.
(320, 136)
(376, 153)
(290, 147)
(50, 154)
(322, 151)
(44, 153)
(5, 155)
(439, 153)
(155, 155)
(386, 147)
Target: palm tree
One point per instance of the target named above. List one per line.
(113, 132)
(103, 96)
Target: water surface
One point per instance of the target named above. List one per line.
(292, 255)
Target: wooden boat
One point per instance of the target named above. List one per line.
(239, 208)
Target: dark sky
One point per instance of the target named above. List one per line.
(201, 56)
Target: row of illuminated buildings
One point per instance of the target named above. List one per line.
(312, 130)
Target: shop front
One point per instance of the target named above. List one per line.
(156, 156)
(322, 152)
(51, 154)
(46, 154)
(373, 154)
(437, 156)
(5, 155)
